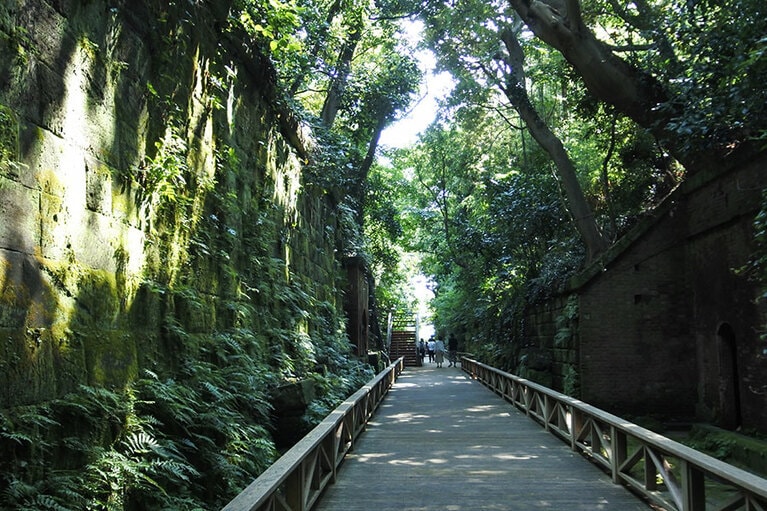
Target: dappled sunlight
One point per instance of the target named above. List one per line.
(429, 461)
(503, 456)
(469, 419)
(407, 417)
(403, 386)
(484, 451)
(482, 408)
(76, 226)
(445, 442)
(514, 457)
(459, 378)
(373, 456)
(487, 472)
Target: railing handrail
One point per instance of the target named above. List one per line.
(603, 437)
(297, 478)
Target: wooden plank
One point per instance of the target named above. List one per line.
(441, 441)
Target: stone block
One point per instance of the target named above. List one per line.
(20, 214)
(16, 288)
(98, 186)
(293, 396)
(111, 358)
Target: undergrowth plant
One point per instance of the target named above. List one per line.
(159, 444)
(191, 438)
(187, 441)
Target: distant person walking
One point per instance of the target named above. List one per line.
(430, 348)
(439, 352)
(452, 351)
(421, 350)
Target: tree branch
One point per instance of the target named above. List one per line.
(632, 47)
(574, 15)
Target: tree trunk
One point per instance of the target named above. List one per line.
(611, 79)
(340, 78)
(605, 178)
(366, 164)
(582, 215)
(319, 39)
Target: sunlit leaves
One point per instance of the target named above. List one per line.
(387, 198)
(274, 21)
(710, 55)
(724, 71)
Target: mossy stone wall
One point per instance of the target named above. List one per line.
(148, 194)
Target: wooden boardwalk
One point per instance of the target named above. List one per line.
(441, 441)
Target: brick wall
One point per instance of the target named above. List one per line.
(653, 310)
(719, 241)
(634, 328)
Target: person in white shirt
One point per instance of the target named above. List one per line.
(430, 347)
(439, 352)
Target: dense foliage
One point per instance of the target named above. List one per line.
(495, 219)
(188, 441)
(479, 198)
(195, 425)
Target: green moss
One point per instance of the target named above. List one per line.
(11, 297)
(744, 451)
(97, 298)
(11, 358)
(85, 327)
(9, 135)
(111, 358)
(94, 293)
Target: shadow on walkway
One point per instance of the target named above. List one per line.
(441, 441)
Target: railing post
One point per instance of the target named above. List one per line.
(528, 399)
(294, 489)
(576, 423)
(650, 472)
(619, 449)
(329, 446)
(693, 488)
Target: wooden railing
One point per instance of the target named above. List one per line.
(663, 471)
(297, 478)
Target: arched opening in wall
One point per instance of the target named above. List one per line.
(729, 378)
